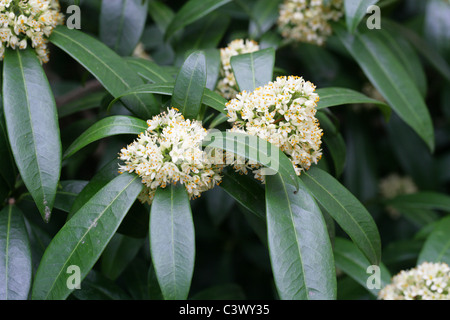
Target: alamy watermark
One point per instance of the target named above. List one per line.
(74, 278)
(374, 20)
(374, 280)
(73, 17)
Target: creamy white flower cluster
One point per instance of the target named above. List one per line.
(227, 86)
(394, 185)
(428, 281)
(283, 113)
(33, 20)
(308, 20)
(169, 151)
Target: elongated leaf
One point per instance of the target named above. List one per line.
(437, 246)
(390, 78)
(109, 68)
(299, 246)
(190, 84)
(161, 14)
(91, 101)
(149, 70)
(120, 251)
(15, 255)
(253, 70)
(192, 11)
(353, 263)
(355, 10)
(212, 67)
(83, 238)
(210, 98)
(107, 127)
(330, 97)
(266, 14)
(122, 23)
(348, 212)
(254, 149)
(67, 192)
(32, 124)
(421, 200)
(172, 241)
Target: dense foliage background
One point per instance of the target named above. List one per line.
(406, 131)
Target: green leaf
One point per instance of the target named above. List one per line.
(97, 287)
(149, 70)
(253, 70)
(210, 98)
(109, 68)
(91, 101)
(348, 212)
(355, 10)
(172, 241)
(421, 200)
(107, 127)
(101, 179)
(161, 14)
(437, 245)
(15, 255)
(32, 124)
(353, 263)
(67, 193)
(254, 149)
(422, 46)
(390, 78)
(119, 253)
(122, 23)
(83, 238)
(299, 246)
(192, 11)
(330, 97)
(189, 85)
(212, 67)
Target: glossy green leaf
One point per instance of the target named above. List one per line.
(107, 127)
(15, 255)
(421, 200)
(253, 70)
(348, 212)
(192, 11)
(387, 74)
(119, 253)
(189, 85)
(32, 124)
(122, 23)
(172, 241)
(299, 246)
(83, 238)
(212, 67)
(330, 97)
(108, 67)
(91, 101)
(255, 149)
(437, 245)
(149, 70)
(355, 10)
(353, 263)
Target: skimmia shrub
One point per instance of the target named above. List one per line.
(221, 149)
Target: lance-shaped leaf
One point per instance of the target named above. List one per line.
(107, 127)
(192, 11)
(353, 263)
(386, 73)
(253, 70)
(299, 246)
(190, 84)
(254, 149)
(83, 238)
(348, 212)
(108, 67)
(122, 23)
(172, 241)
(149, 70)
(15, 255)
(437, 246)
(32, 124)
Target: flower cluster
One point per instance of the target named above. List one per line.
(428, 281)
(393, 186)
(169, 151)
(283, 113)
(227, 86)
(33, 20)
(308, 20)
